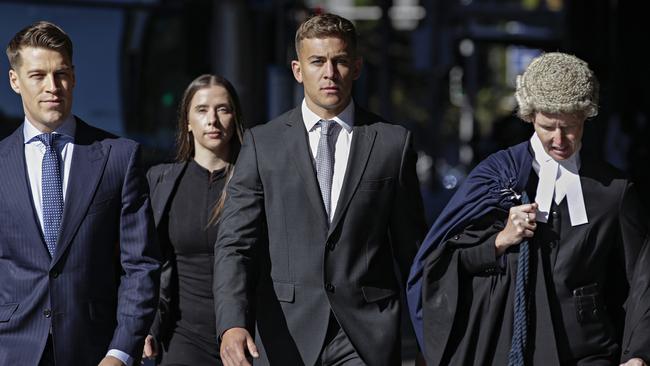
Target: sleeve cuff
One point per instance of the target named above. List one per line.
(122, 356)
(482, 258)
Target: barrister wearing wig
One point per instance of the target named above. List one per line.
(534, 257)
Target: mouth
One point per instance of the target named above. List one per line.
(53, 102)
(213, 135)
(330, 89)
(561, 150)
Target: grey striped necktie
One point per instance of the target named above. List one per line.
(325, 160)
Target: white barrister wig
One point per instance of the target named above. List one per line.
(557, 83)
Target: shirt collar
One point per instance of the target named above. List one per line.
(67, 129)
(345, 118)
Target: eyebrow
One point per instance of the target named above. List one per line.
(338, 55)
(39, 69)
(203, 105)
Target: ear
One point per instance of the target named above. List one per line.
(357, 65)
(13, 81)
(297, 72)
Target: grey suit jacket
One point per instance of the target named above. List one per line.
(280, 266)
(99, 291)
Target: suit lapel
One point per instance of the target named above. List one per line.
(298, 148)
(14, 186)
(363, 138)
(88, 162)
(163, 189)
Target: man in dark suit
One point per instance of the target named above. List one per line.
(323, 203)
(78, 259)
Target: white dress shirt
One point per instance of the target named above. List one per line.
(34, 153)
(557, 180)
(342, 146)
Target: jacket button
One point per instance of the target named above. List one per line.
(554, 213)
(54, 273)
(331, 245)
(47, 313)
(456, 237)
(552, 244)
(329, 287)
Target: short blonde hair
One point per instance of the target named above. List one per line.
(39, 35)
(557, 83)
(327, 25)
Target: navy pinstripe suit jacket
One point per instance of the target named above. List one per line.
(99, 291)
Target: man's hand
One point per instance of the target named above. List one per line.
(111, 361)
(634, 362)
(521, 224)
(150, 348)
(234, 344)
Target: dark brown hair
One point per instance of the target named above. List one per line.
(39, 35)
(327, 25)
(185, 139)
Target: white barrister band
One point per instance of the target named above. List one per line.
(556, 181)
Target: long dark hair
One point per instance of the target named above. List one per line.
(185, 139)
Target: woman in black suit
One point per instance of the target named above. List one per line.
(187, 197)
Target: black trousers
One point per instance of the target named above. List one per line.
(338, 350)
(47, 359)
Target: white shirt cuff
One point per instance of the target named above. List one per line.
(126, 359)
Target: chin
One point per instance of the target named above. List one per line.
(562, 156)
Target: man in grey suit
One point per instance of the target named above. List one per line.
(321, 224)
(78, 260)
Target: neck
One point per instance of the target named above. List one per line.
(210, 160)
(326, 113)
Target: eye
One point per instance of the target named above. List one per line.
(201, 109)
(223, 109)
(37, 76)
(317, 62)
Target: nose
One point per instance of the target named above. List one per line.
(51, 84)
(213, 117)
(558, 137)
(330, 69)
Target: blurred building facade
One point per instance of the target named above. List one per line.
(443, 68)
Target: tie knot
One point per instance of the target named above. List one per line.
(327, 127)
(48, 139)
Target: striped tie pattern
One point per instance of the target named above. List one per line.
(325, 160)
(52, 190)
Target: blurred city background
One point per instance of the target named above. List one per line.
(445, 69)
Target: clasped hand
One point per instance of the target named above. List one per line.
(521, 224)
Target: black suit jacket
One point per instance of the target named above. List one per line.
(278, 263)
(163, 180)
(99, 290)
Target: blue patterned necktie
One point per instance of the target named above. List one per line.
(325, 161)
(517, 355)
(52, 191)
